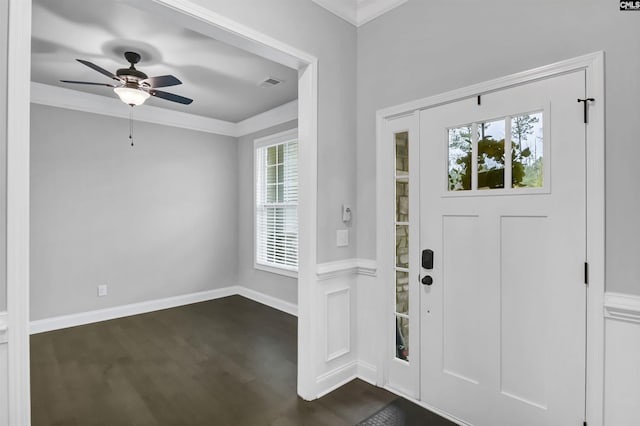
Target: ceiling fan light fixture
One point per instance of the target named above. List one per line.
(131, 96)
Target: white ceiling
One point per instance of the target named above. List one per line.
(223, 80)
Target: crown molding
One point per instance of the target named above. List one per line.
(60, 97)
(359, 12)
(278, 115)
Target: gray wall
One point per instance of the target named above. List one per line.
(275, 285)
(4, 9)
(150, 221)
(307, 26)
(427, 47)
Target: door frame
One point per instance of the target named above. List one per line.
(18, 147)
(593, 65)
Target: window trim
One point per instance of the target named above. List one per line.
(275, 139)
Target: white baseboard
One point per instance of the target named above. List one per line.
(368, 373)
(337, 377)
(265, 299)
(65, 321)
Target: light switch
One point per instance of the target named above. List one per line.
(342, 237)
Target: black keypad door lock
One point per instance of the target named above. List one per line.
(427, 259)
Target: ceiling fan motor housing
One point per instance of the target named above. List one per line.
(131, 74)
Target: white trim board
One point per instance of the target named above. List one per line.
(265, 299)
(17, 243)
(619, 306)
(359, 12)
(60, 97)
(329, 270)
(89, 317)
(3, 327)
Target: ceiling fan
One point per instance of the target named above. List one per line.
(135, 87)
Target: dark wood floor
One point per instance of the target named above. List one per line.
(229, 361)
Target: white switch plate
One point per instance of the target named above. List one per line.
(102, 290)
(342, 237)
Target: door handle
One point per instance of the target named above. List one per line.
(427, 280)
(427, 259)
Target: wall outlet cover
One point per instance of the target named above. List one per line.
(102, 290)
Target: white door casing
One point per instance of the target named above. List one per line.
(504, 329)
(208, 22)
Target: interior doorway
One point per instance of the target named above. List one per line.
(206, 22)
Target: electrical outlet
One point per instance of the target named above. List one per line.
(342, 237)
(102, 290)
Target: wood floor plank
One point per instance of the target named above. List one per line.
(229, 361)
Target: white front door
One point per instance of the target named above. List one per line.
(503, 322)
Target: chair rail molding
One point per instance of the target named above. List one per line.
(329, 270)
(619, 306)
(3, 327)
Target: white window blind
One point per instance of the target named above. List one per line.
(277, 202)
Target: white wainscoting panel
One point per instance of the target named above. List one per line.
(336, 296)
(622, 360)
(4, 372)
(338, 322)
(370, 340)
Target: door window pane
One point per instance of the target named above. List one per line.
(402, 246)
(402, 201)
(402, 338)
(527, 146)
(460, 148)
(402, 153)
(491, 154)
(402, 292)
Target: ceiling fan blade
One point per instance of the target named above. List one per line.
(162, 81)
(170, 97)
(99, 69)
(86, 82)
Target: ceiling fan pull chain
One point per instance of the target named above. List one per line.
(131, 125)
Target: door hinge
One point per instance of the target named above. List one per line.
(586, 273)
(585, 105)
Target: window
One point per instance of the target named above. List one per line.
(486, 143)
(276, 197)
